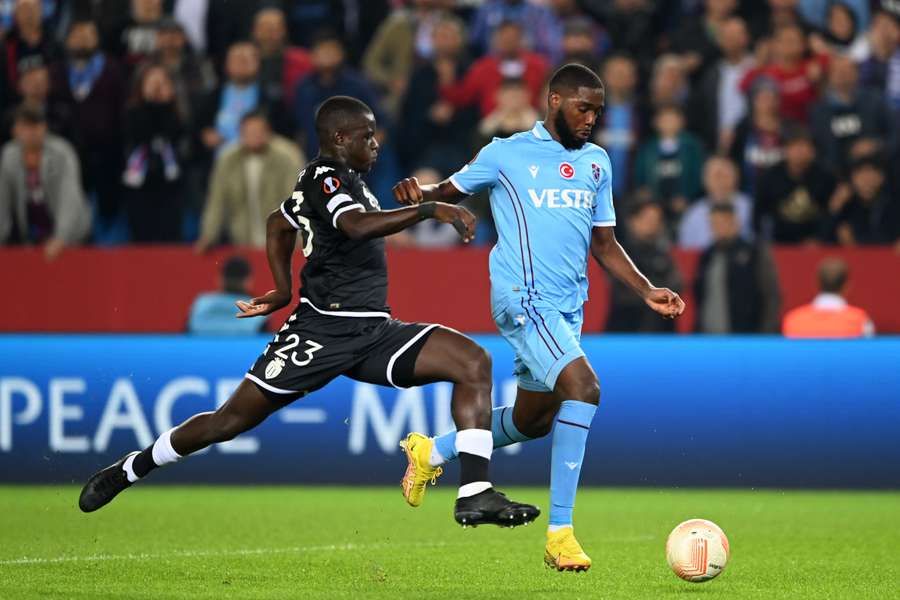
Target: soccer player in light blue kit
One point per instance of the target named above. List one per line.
(551, 199)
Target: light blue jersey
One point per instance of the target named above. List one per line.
(545, 200)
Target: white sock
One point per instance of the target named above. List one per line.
(436, 460)
(479, 442)
(470, 489)
(163, 452)
(555, 528)
(476, 442)
(127, 466)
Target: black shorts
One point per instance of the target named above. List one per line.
(312, 348)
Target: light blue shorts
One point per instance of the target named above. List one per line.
(545, 340)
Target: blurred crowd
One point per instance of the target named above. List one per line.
(187, 120)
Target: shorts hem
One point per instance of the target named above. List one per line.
(272, 393)
(561, 363)
(531, 385)
(398, 357)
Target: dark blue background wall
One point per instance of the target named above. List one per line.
(674, 411)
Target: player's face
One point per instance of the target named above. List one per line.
(361, 145)
(576, 115)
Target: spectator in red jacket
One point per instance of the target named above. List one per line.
(795, 75)
(509, 60)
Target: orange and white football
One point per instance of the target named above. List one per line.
(697, 550)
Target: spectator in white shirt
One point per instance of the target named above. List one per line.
(720, 180)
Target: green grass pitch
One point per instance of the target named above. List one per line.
(314, 542)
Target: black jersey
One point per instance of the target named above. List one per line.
(340, 274)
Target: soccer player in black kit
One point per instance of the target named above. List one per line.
(342, 325)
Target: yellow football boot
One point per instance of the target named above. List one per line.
(419, 470)
(564, 553)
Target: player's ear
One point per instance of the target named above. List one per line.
(554, 100)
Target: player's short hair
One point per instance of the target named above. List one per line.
(832, 275)
(570, 77)
(337, 112)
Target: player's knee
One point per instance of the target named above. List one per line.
(585, 389)
(590, 392)
(541, 426)
(476, 368)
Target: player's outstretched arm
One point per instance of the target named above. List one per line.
(280, 240)
(409, 192)
(362, 225)
(609, 253)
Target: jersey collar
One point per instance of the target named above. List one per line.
(541, 133)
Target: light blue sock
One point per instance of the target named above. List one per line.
(569, 438)
(502, 428)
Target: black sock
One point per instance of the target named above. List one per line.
(472, 468)
(143, 462)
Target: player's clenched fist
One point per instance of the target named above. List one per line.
(407, 191)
